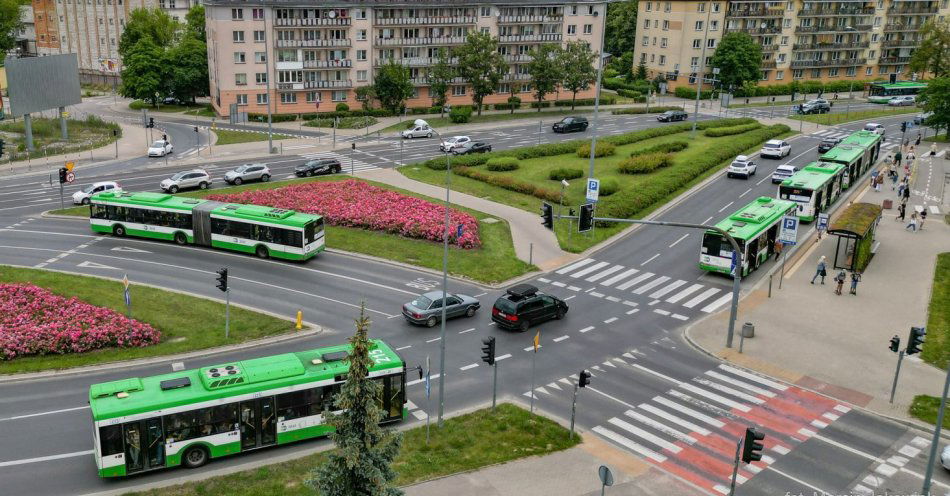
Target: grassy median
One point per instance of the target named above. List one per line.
(937, 348)
(464, 443)
(860, 115)
(228, 137)
(925, 408)
(187, 323)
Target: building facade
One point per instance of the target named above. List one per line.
(801, 40)
(314, 58)
(25, 37)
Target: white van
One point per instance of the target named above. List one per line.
(874, 127)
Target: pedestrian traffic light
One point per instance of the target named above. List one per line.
(751, 447)
(2, 144)
(151, 122)
(793, 95)
(586, 219)
(915, 341)
(583, 379)
(895, 343)
(904, 127)
(354, 146)
(196, 129)
(488, 350)
(223, 279)
(62, 174)
(547, 215)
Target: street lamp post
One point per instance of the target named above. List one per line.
(270, 129)
(445, 283)
(600, 72)
(699, 69)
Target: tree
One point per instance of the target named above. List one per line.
(936, 99)
(621, 27)
(144, 72)
(480, 64)
(625, 62)
(392, 86)
(545, 70)
(10, 24)
(195, 22)
(933, 53)
(361, 464)
(365, 95)
(153, 24)
(739, 59)
(188, 63)
(440, 75)
(577, 68)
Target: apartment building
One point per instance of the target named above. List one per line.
(801, 40)
(315, 57)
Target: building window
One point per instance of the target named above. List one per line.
(486, 11)
(656, 23)
(663, 43)
(716, 7)
(701, 7)
(361, 13)
(654, 41)
(874, 38)
(880, 4)
(871, 54)
(240, 79)
(361, 34)
(697, 43)
(237, 36)
(765, 75)
(313, 96)
(833, 72)
(646, 41)
(526, 88)
(288, 98)
(572, 29)
(784, 41)
(260, 57)
(239, 57)
(711, 43)
(851, 72)
(241, 99)
(237, 14)
(779, 75)
(646, 24)
(668, 6)
(699, 25)
(257, 14)
(588, 28)
(798, 74)
(458, 91)
(867, 71)
(258, 36)
(361, 75)
(694, 62)
(816, 73)
(877, 21)
(590, 10)
(781, 58)
(485, 30)
(361, 55)
(662, 59)
(338, 95)
(260, 78)
(262, 98)
(713, 25)
(786, 23)
(666, 25)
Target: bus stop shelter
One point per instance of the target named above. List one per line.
(855, 229)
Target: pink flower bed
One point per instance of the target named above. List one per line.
(353, 203)
(34, 321)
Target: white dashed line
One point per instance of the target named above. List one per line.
(469, 366)
(586, 329)
(612, 319)
(559, 339)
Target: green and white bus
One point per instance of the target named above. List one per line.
(755, 227)
(188, 417)
(883, 92)
(264, 231)
(813, 188)
(858, 153)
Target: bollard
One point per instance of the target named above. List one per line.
(770, 285)
(530, 253)
(299, 319)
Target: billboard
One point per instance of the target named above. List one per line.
(35, 84)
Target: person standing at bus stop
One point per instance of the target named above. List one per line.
(820, 270)
(778, 249)
(855, 278)
(839, 281)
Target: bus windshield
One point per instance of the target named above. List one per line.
(717, 246)
(794, 194)
(312, 229)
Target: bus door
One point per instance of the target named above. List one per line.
(753, 254)
(144, 445)
(258, 423)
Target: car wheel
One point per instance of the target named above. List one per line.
(238, 181)
(310, 173)
(429, 135)
(523, 327)
(265, 178)
(431, 322)
(85, 201)
(173, 189)
(180, 238)
(560, 314)
(261, 252)
(202, 185)
(336, 169)
(470, 312)
(195, 457)
(119, 231)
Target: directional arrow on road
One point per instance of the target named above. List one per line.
(129, 250)
(94, 265)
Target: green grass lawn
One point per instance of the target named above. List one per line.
(86, 134)
(925, 408)
(228, 137)
(202, 112)
(937, 348)
(939, 139)
(443, 122)
(839, 117)
(174, 108)
(494, 262)
(464, 443)
(187, 323)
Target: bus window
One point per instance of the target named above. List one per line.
(268, 423)
(224, 418)
(133, 447)
(794, 194)
(110, 440)
(180, 426)
(717, 246)
(155, 443)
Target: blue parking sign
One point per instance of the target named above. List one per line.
(789, 232)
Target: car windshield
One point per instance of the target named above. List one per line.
(669, 112)
(88, 189)
(178, 176)
(772, 145)
(158, 144)
(421, 302)
(242, 168)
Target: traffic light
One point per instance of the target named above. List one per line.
(165, 138)
(62, 174)
(223, 279)
(583, 379)
(547, 215)
(586, 220)
(904, 127)
(151, 122)
(751, 447)
(488, 350)
(196, 129)
(895, 343)
(915, 341)
(354, 146)
(2, 144)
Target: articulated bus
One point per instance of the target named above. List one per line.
(264, 231)
(858, 153)
(883, 92)
(813, 188)
(755, 227)
(188, 417)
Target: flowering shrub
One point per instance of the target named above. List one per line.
(352, 203)
(34, 321)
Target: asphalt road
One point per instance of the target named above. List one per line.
(651, 394)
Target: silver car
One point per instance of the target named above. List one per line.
(248, 172)
(427, 308)
(196, 178)
(417, 132)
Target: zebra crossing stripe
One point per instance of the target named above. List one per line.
(642, 434)
(588, 270)
(619, 277)
(754, 377)
(667, 289)
(702, 431)
(717, 398)
(729, 390)
(736, 382)
(573, 266)
(718, 303)
(604, 273)
(661, 427)
(684, 293)
(702, 296)
(635, 280)
(650, 285)
(632, 446)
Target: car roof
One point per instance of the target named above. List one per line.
(774, 142)
(741, 158)
(785, 167)
(435, 295)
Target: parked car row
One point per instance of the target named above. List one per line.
(522, 306)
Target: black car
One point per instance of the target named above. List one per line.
(471, 147)
(570, 124)
(672, 115)
(827, 144)
(523, 305)
(318, 166)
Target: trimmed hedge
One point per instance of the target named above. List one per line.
(343, 123)
(565, 173)
(460, 115)
(643, 110)
(690, 93)
(509, 183)
(803, 87)
(609, 186)
(729, 131)
(603, 149)
(671, 147)
(502, 164)
(540, 104)
(273, 117)
(342, 107)
(645, 163)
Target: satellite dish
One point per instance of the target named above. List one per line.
(331, 14)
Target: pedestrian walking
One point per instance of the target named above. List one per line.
(906, 194)
(820, 270)
(778, 249)
(893, 174)
(879, 182)
(912, 225)
(912, 153)
(917, 142)
(855, 279)
(874, 175)
(839, 280)
(901, 210)
(923, 217)
(897, 158)
(933, 149)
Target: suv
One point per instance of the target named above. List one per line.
(874, 128)
(197, 178)
(570, 124)
(818, 106)
(741, 166)
(672, 115)
(82, 196)
(775, 149)
(783, 172)
(318, 166)
(247, 172)
(523, 305)
(827, 144)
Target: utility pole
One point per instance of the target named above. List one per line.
(702, 65)
(597, 86)
(270, 130)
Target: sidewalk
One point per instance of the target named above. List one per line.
(807, 335)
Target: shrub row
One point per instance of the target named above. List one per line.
(502, 164)
(509, 183)
(801, 87)
(460, 115)
(603, 149)
(690, 93)
(587, 102)
(645, 163)
(343, 123)
(535, 105)
(729, 131)
(565, 173)
(609, 186)
(671, 147)
(643, 110)
(618, 83)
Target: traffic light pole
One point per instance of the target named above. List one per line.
(735, 468)
(494, 385)
(227, 313)
(897, 373)
(573, 410)
(936, 439)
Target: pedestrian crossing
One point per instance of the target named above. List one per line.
(657, 288)
(349, 164)
(691, 430)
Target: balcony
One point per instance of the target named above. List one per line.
(327, 64)
(896, 11)
(832, 29)
(529, 19)
(840, 11)
(769, 48)
(428, 21)
(315, 85)
(424, 81)
(900, 43)
(516, 77)
(324, 21)
(831, 46)
(518, 58)
(754, 31)
(413, 61)
(312, 43)
(768, 64)
(528, 37)
(800, 64)
(893, 60)
(901, 28)
(442, 40)
(755, 12)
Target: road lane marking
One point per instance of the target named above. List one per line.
(403, 348)
(649, 260)
(612, 319)
(506, 355)
(469, 366)
(575, 265)
(51, 412)
(726, 206)
(626, 443)
(813, 488)
(689, 411)
(700, 297)
(661, 312)
(419, 381)
(707, 220)
(592, 268)
(681, 238)
(45, 458)
(745, 192)
(433, 340)
(586, 329)
(718, 303)
(656, 440)
(620, 276)
(635, 280)
(466, 330)
(562, 338)
(753, 377)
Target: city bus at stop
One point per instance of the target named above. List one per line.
(755, 227)
(191, 416)
(813, 188)
(858, 153)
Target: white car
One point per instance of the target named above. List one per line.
(775, 149)
(248, 172)
(783, 172)
(945, 457)
(899, 101)
(875, 128)
(82, 196)
(450, 143)
(741, 166)
(196, 178)
(418, 132)
(160, 149)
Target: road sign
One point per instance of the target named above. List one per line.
(789, 232)
(70, 165)
(732, 266)
(606, 477)
(593, 190)
(822, 222)
(70, 177)
(65, 115)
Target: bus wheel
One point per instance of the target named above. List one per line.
(180, 238)
(261, 252)
(119, 231)
(195, 457)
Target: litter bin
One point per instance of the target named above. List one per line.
(748, 330)
(887, 204)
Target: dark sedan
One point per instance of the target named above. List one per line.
(570, 125)
(427, 308)
(318, 166)
(672, 115)
(472, 147)
(827, 144)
